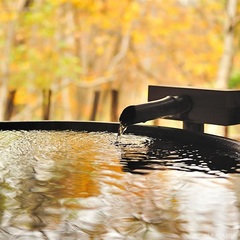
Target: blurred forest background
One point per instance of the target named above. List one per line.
(88, 59)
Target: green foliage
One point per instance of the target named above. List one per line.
(234, 81)
(40, 54)
(155, 42)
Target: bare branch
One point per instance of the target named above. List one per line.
(235, 22)
(122, 52)
(95, 83)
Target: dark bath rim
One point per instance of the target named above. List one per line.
(174, 134)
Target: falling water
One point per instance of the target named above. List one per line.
(122, 128)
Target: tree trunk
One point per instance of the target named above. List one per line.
(46, 104)
(66, 105)
(226, 61)
(114, 106)
(95, 105)
(10, 33)
(9, 105)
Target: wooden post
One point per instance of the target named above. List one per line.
(156, 122)
(9, 105)
(226, 132)
(95, 105)
(46, 104)
(114, 106)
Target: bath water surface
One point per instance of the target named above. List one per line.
(85, 185)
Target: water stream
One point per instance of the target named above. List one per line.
(122, 128)
(78, 185)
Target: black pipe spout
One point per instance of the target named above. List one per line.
(167, 106)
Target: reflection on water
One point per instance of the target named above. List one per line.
(77, 185)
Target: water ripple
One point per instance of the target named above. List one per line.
(79, 185)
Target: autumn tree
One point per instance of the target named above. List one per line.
(229, 49)
(76, 48)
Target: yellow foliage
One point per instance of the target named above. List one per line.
(138, 37)
(131, 12)
(84, 39)
(24, 97)
(100, 50)
(7, 16)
